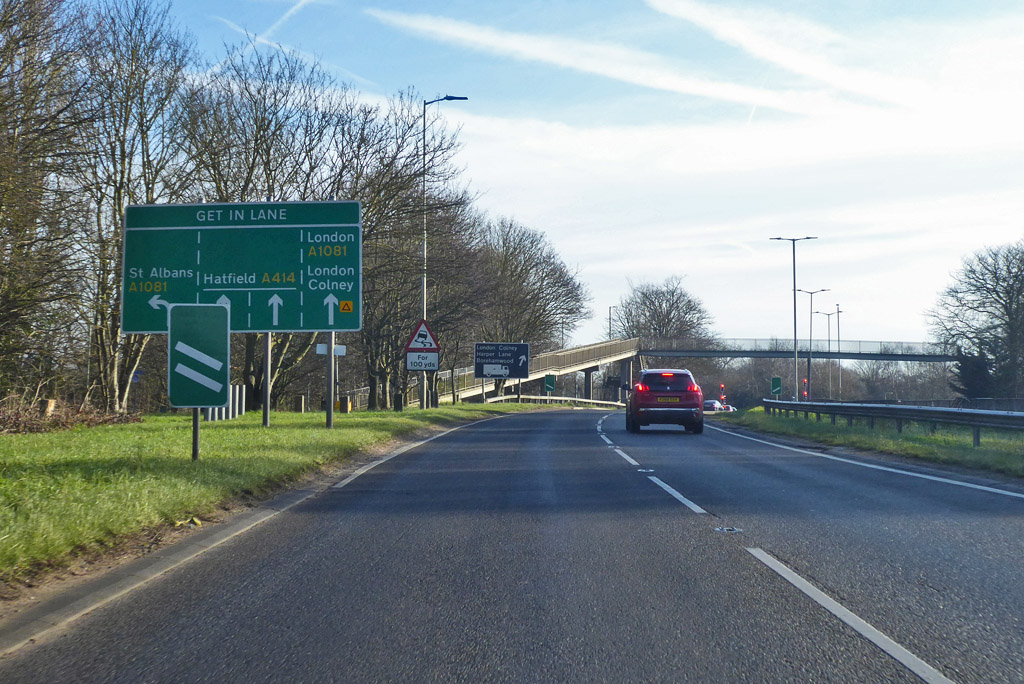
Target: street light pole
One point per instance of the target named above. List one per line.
(828, 322)
(796, 356)
(446, 98)
(810, 336)
(839, 348)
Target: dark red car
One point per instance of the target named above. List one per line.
(666, 396)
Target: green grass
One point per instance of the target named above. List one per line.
(83, 490)
(1001, 451)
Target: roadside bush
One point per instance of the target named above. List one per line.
(20, 416)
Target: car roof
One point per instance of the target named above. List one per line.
(666, 370)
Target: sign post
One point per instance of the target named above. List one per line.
(422, 355)
(198, 360)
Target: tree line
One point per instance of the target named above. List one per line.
(96, 120)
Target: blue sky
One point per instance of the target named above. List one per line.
(675, 137)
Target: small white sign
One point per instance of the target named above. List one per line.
(421, 361)
(339, 349)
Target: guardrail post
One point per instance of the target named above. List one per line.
(849, 421)
(977, 437)
(871, 422)
(899, 426)
(833, 419)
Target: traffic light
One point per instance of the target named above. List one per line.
(721, 392)
(805, 388)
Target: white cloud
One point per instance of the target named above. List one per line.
(789, 42)
(612, 61)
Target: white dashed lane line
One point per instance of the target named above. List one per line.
(676, 495)
(920, 668)
(624, 455)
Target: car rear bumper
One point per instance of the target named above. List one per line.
(675, 415)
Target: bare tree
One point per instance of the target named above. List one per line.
(534, 293)
(138, 68)
(982, 314)
(261, 126)
(40, 118)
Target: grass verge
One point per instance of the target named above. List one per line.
(80, 491)
(1001, 451)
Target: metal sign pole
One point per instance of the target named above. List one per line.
(195, 434)
(330, 380)
(266, 381)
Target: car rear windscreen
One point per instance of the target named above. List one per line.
(677, 382)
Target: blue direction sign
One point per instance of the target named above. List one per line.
(501, 360)
(198, 356)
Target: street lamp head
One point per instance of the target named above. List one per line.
(449, 98)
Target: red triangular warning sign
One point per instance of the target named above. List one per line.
(422, 339)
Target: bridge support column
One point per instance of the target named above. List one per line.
(625, 377)
(588, 382)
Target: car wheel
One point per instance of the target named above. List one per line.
(631, 425)
(697, 428)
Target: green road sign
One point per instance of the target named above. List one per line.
(278, 266)
(776, 385)
(198, 356)
(549, 383)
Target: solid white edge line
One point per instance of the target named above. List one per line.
(676, 495)
(605, 438)
(407, 447)
(933, 478)
(624, 455)
(902, 655)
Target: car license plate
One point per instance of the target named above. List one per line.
(668, 400)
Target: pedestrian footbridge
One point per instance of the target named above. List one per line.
(587, 359)
(630, 354)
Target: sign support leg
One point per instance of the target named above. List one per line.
(266, 380)
(195, 434)
(330, 379)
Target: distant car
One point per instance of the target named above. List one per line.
(665, 396)
(713, 405)
(728, 407)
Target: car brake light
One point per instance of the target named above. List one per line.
(668, 375)
(641, 387)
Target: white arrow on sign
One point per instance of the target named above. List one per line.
(224, 301)
(330, 301)
(275, 302)
(156, 302)
(522, 360)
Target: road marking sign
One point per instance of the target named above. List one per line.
(198, 355)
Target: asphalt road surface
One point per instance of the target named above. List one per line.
(557, 547)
